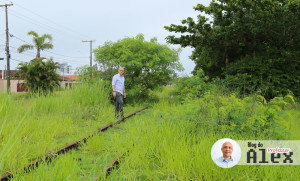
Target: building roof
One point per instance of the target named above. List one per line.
(68, 77)
(65, 77)
(13, 73)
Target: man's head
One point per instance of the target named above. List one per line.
(121, 71)
(227, 149)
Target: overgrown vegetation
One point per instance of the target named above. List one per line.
(147, 64)
(253, 100)
(192, 87)
(251, 43)
(40, 76)
(49, 122)
(172, 140)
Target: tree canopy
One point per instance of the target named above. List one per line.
(257, 38)
(40, 76)
(147, 64)
(39, 43)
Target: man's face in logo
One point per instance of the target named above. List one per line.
(227, 149)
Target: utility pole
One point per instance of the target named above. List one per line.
(2, 71)
(7, 49)
(91, 51)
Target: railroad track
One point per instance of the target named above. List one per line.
(31, 165)
(109, 168)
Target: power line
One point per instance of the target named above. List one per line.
(31, 54)
(18, 60)
(46, 26)
(51, 52)
(42, 25)
(25, 53)
(25, 18)
(68, 61)
(47, 50)
(32, 21)
(64, 55)
(19, 39)
(51, 21)
(28, 19)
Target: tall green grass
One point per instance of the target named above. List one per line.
(173, 141)
(52, 121)
(174, 144)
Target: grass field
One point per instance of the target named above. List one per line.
(44, 124)
(169, 141)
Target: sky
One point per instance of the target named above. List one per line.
(72, 21)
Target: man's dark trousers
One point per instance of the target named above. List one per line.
(119, 105)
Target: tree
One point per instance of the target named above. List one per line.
(87, 73)
(258, 38)
(147, 64)
(39, 43)
(40, 76)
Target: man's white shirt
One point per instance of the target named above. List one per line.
(221, 162)
(118, 81)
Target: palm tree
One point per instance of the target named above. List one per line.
(39, 43)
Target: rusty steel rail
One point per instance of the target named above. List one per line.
(68, 147)
(108, 168)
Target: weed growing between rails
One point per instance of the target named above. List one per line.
(169, 142)
(173, 141)
(55, 121)
(174, 145)
(75, 165)
(65, 168)
(91, 157)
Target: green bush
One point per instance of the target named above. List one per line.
(87, 74)
(248, 116)
(192, 87)
(148, 64)
(270, 76)
(40, 77)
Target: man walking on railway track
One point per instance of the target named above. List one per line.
(118, 87)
